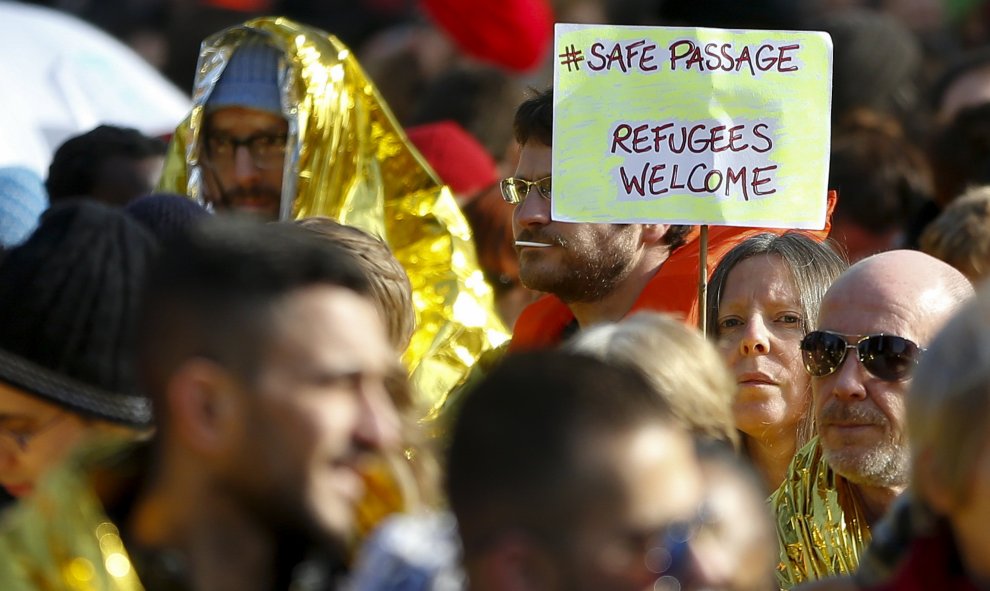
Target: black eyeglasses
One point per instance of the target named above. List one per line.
(888, 357)
(22, 437)
(515, 190)
(267, 149)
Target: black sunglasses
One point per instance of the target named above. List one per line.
(888, 357)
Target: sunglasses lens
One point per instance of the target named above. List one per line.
(889, 357)
(822, 352)
(511, 191)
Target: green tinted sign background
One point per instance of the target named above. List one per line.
(780, 117)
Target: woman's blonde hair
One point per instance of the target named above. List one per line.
(684, 368)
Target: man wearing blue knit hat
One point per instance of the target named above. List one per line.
(287, 124)
(245, 133)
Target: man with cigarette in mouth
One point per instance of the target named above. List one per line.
(594, 272)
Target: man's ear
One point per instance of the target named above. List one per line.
(653, 233)
(205, 406)
(930, 484)
(514, 563)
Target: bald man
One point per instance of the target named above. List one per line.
(874, 324)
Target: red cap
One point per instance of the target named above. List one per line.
(458, 158)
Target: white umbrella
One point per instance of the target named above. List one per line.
(60, 76)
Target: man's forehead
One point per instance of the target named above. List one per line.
(240, 119)
(535, 161)
(860, 309)
(643, 462)
(330, 330)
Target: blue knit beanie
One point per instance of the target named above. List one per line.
(250, 79)
(22, 200)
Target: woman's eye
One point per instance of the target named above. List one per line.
(728, 323)
(790, 319)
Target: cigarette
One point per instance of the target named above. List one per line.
(534, 244)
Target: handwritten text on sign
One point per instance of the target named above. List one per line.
(691, 126)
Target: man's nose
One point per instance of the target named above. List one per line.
(246, 172)
(533, 210)
(378, 424)
(848, 380)
(9, 454)
(707, 567)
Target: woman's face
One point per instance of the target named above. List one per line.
(34, 436)
(760, 326)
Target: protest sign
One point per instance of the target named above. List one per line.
(691, 125)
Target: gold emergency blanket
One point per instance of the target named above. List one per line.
(821, 527)
(348, 159)
(61, 540)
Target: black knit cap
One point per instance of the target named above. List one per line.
(69, 299)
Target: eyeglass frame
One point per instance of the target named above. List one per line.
(849, 344)
(247, 142)
(505, 184)
(671, 541)
(23, 440)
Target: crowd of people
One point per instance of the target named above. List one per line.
(328, 335)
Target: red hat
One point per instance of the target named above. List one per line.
(458, 158)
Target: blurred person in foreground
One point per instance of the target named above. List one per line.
(764, 298)
(405, 480)
(736, 549)
(680, 364)
(565, 472)
(268, 366)
(69, 300)
(286, 125)
(874, 324)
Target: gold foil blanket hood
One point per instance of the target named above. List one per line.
(348, 159)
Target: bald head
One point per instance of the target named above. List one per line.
(860, 413)
(922, 288)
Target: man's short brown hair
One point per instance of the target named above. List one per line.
(389, 282)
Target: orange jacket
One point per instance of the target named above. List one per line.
(673, 289)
